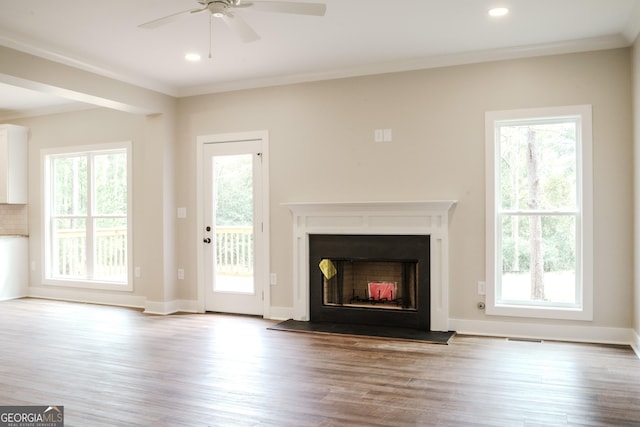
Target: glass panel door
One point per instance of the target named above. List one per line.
(233, 227)
(233, 219)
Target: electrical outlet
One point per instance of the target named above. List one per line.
(273, 279)
(137, 272)
(180, 274)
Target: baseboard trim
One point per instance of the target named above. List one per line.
(635, 345)
(188, 306)
(10, 297)
(281, 313)
(165, 308)
(88, 297)
(119, 299)
(162, 308)
(589, 334)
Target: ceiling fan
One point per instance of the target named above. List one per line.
(225, 10)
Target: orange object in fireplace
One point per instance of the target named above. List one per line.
(382, 291)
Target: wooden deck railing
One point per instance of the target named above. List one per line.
(234, 252)
(110, 256)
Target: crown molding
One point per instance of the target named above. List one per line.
(462, 58)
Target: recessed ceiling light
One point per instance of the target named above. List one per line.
(192, 57)
(498, 11)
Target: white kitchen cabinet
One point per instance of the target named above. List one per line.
(13, 164)
(14, 273)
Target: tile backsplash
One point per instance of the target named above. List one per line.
(14, 220)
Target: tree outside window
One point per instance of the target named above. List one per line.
(537, 210)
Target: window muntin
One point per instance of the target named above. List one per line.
(538, 198)
(87, 216)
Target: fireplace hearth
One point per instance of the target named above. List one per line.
(381, 280)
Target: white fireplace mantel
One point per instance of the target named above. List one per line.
(396, 218)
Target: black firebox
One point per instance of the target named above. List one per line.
(378, 280)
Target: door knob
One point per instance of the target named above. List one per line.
(207, 240)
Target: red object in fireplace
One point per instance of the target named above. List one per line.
(382, 291)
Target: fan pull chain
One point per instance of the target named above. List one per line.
(210, 36)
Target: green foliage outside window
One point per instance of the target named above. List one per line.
(89, 203)
(538, 201)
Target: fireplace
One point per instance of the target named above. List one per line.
(428, 219)
(380, 280)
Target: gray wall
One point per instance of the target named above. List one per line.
(322, 149)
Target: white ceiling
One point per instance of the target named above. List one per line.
(355, 37)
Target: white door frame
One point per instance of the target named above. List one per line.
(201, 140)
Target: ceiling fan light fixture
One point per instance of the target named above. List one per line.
(498, 11)
(217, 9)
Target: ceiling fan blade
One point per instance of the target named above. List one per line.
(314, 9)
(240, 27)
(167, 19)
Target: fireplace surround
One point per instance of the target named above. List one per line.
(420, 218)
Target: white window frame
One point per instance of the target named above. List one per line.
(45, 166)
(584, 217)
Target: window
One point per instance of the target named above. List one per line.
(539, 213)
(87, 206)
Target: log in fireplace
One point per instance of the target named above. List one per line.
(380, 280)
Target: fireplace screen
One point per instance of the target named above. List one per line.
(369, 284)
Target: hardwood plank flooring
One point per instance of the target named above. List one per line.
(113, 366)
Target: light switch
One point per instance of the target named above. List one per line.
(482, 288)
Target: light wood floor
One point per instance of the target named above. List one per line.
(113, 366)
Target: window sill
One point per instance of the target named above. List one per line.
(93, 285)
(540, 312)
